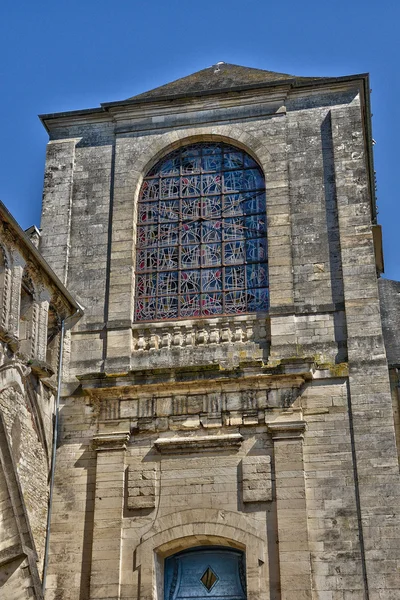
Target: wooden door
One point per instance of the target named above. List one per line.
(205, 574)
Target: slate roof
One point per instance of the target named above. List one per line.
(222, 76)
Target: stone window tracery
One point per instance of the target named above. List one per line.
(201, 237)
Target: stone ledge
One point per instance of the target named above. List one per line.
(115, 440)
(287, 430)
(178, 445)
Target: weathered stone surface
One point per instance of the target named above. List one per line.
(257, 481)
(27, 398)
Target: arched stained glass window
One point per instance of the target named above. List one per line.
(201, 237)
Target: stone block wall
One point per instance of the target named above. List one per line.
(28, 289)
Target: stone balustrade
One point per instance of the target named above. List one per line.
(236, 329)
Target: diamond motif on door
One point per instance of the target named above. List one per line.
(209, 579)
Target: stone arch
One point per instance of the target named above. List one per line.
(201, 527)
(171, 140)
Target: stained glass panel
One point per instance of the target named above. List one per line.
(191, 186)
(211, 280)
(190, 208)
(170, 187)
(190, 281)
(201, 237)
(168, 282)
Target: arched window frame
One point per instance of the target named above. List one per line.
(28, 316)
(201, 236)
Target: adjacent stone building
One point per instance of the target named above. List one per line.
(228, 416)
(33, 306)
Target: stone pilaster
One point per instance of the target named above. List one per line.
(108, 512)
(294, 555)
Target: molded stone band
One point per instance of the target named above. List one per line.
(177, 445)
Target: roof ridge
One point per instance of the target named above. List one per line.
(220, 76)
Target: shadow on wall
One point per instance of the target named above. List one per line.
(334, 249)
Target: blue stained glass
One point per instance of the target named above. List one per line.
(254, 203)
(190, 233)
(214, 149)
(235, 277)
(167, 258)
(191, 185)
(211, 184)
(233, 181)
(192, 150)
(211, 280)
(234, 204)
(147, 259)
(146, 308)
(168, 235)
(233, 160)
(146, 284)
(211, 163)
(190, 208)
(234, 252)
(249, 162)
(211, 254)
(168, 282)
(169, 210)
(211, 207)
(191, 164)
(148, 213)
(252, 179)
(255, 226)
(148, 236)
(235, 302)
(170, 187)
(257, 275)
(167, 307)
(150, 189)
(190, 281)
(256, 250)
(190, 256)
(211, 231)
(257, 300)
(211, 304)
(234, 228)
(190, 305)
(201, 236)
(171, 166)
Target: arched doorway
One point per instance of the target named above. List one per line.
(206, 573)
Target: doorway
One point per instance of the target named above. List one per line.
(206, 573)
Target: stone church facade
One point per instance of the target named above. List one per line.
(229, 401)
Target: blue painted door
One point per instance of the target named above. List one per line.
(205, 574)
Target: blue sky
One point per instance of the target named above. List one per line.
(58, 55)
